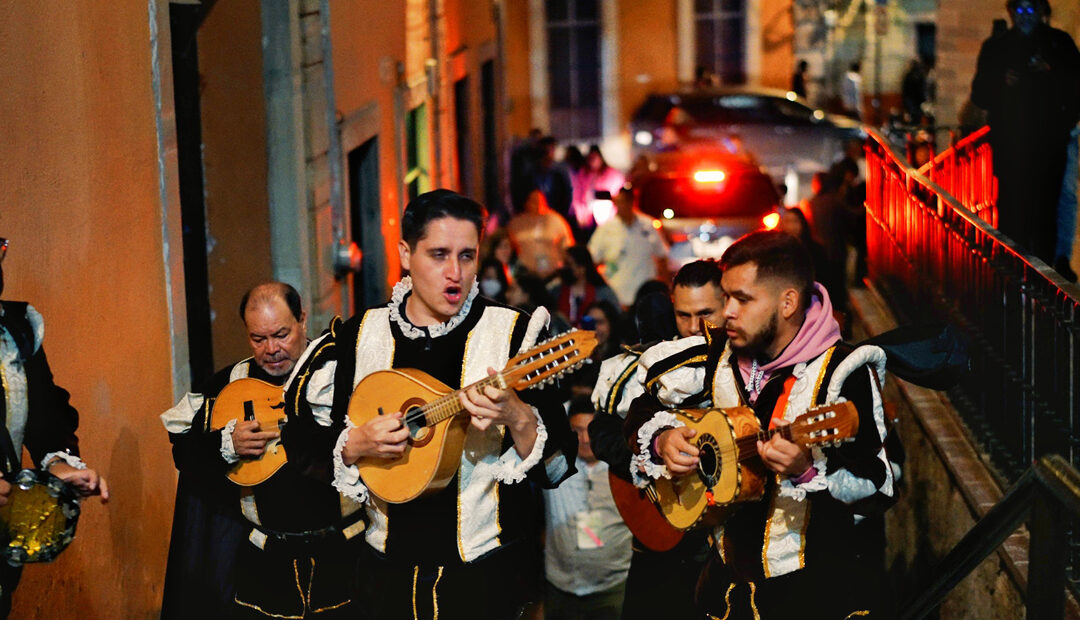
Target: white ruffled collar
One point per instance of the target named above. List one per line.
(403, 288)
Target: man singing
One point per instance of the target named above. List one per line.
(461, 552)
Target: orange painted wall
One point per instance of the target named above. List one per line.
(368, 42)
(518, 106)
(81, 206)
(777, 54)
(235, 165)
(648, 47)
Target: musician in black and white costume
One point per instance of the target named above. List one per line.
(795, 552)
(272, 550)
(37, 415)
(460, 552)
(660, 583)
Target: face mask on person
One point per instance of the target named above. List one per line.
(490, 287)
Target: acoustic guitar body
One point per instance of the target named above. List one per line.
(721, 479)
(640, 513)
(252, 399)
(432, 453)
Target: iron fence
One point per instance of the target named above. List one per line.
(966, 172)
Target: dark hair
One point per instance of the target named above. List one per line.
(280, 289)
(493, 263)
(581, 256)
(547, 141)
(536, 291)
(595, 148)
(777, 255)
(580, 404)
(805, 237)
(698, 273)
(1040, 5)
(654, 318)
(573, 158)
(803, 65)
(438, 204)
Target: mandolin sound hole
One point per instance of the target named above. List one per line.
(709, 462)
(414, 421)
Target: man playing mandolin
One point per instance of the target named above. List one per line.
(795, 551)
(258, 539)
(461, 551)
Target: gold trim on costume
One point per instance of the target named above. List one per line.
(768, 529)
(861, 612)
(263, 611)
(415, 574)
(753, 603)
(692, 360)
(821, 376)
(802, 536)
(615, 387)
(727, 601)
(435, 596)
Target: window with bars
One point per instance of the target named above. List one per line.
(720, 38)
(573, 31)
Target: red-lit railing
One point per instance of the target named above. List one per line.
(936, 260)
(966, 172)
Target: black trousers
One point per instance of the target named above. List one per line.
(318, 581)
(9, 580)
(661, 584)
(494, 587)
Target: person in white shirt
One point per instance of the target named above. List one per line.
(588, 547)
(629, 247)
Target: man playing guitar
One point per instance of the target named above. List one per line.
(797, 551)
(464, 551)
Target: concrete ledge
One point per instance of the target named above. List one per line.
(947, 487)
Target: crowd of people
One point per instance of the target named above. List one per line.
(526, 524)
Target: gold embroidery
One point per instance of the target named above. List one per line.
(415, 574)
(821, 376)
(692, 360)
(435, 596)
(307, 374)
(753, 603)
(863, 612)
(615, 387)
(321, 609)
(802, 536)
(768, 530)
(727, 601)
(261, 610)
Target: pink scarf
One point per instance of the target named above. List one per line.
(819, 331)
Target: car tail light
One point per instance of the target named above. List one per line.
(709, 176)
(771, 220)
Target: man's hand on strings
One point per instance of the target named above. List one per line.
(783, 456)
(249, 441)
(680, 456)
(382, 437)
(490, 405)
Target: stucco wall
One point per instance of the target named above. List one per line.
(648, 53)
(82, 208)
(234, 162)
(368, 43)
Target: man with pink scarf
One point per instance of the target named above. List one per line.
(812, 545)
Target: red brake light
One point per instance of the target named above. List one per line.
(771, 220)
(710, 176)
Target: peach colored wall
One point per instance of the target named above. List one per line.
(518, 106)
(777, 55)
(82, 208)
(647, 48)
(234, 161)
(368, 41)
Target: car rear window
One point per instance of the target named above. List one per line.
(745, 195)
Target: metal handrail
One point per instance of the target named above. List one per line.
(1047, 493)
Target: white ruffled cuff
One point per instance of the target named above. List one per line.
(228, 450)
(347, 477)
(638, 466)
(818, 483)
(66, 457)
(661, 421)
(511, 468)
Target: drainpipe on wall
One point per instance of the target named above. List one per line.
(434, 74)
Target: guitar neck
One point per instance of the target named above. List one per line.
(448, 406)
(747, 444)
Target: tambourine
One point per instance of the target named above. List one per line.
(39, 520)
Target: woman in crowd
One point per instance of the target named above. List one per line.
(580, 285)
(595, 175)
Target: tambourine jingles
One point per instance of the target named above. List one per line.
(38, 522)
